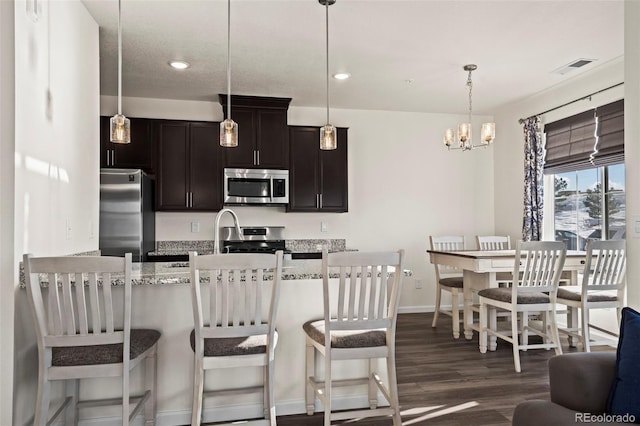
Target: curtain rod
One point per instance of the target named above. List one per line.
(522, 120)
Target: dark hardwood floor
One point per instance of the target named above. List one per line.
(444, 381)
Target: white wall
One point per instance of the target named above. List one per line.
(632, 151)
(56, 155)
(403, 185)
(7, 266)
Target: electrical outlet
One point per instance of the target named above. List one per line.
(418, 283)
(67, 229)
(323, 227)
(195, 227)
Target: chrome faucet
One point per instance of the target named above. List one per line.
(216, 228)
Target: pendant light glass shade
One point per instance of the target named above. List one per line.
(120, 129)
(449, 136)
(464, 135)
(228, 133)
(120, 126)
(228, 128)
(328, 137)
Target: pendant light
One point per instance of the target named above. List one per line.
(328, 135)
(228, 128)
(465, 143)
(120, 126)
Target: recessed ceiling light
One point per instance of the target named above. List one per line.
(179, 65)
(341, 76)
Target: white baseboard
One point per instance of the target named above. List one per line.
(216, 414)
(419, 309)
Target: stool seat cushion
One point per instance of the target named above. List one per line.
(504, 294)
(451, 282)
(230, 346)
(345, 338)
(591, 297)
(141, 340)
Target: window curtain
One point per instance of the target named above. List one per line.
(533, 180)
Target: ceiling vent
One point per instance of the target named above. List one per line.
(572, 66)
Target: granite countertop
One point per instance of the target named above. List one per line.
(161, 273)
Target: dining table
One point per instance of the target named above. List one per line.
(481, 268)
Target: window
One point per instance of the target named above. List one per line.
(589, 204)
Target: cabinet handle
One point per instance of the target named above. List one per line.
(191, 199)
(108, 157)
(113, 157)
(258, 155)
(186, 199)
(320, 200)
(317, 201)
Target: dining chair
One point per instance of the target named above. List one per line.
(360, 314)
(235, 302)
(534, 289)
(493, 242)
(603, 287)
(496, 242)
(448, 278)
(79, 336)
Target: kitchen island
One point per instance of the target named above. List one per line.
(162, 301)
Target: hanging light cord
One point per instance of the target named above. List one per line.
(327, 34)
(229, 59)
(470, 86)
(119, 57)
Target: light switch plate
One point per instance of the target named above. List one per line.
(323, 227)
(195, 227)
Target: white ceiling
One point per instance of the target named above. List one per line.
(278, 49)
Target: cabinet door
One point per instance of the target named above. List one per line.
(204, 167)
(272, 139)
(334, 176)
(135, 155)
(303, 168)
(173, 177)
(243, 155)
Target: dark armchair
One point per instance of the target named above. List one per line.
(579, 386)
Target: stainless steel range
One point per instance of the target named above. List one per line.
(255, 239)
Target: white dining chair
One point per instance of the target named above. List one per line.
(359, 323)
(493, 242)
(534, 289)
(80, 337)
(603, 286)
(235, 303)
(449, 279)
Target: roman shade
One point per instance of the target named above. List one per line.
(590, 139)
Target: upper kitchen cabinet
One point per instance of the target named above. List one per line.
(317, 178)
(135, 155)
(188, 168)
(263, 136)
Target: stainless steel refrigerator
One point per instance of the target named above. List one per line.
(127, 216)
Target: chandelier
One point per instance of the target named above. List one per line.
(465, 142)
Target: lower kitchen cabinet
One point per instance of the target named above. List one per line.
(317, 179)
(189, 174)
(135, 155)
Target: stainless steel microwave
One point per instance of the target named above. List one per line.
(256, 186)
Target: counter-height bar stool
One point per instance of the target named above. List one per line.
(234, 312)
(360, 314)
(603, 286)
(79, 336)
(448, 278)
(534, 289)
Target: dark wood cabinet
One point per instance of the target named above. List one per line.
(263, 136)
(139, 154)
(188, 168)
(317, 179)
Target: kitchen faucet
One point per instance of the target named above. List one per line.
(216, 228)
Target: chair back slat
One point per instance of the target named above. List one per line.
(540, 265)
(447, 243)
(73, 312)
(236, 297)
(605, 265)
(367, 299)
(493, 242)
